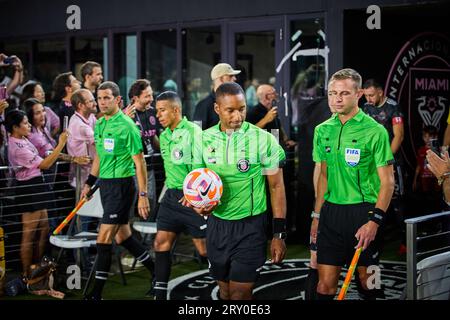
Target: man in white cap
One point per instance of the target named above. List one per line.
(204, 110)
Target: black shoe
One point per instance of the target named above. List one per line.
(90, 297)
(151, 291)
(372, 294)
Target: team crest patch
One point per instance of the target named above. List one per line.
(243, 165)
(352, 156)
(177, 154)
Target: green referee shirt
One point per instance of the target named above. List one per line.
(352, 152)
(240, 159)
(180, 148)
(117, 140)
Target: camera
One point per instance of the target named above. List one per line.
(3, 93)
(9, 60)
(434, 146)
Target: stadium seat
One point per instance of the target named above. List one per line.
(80, 240)
(433, 281)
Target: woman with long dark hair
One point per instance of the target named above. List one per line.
(40, 136)
(31, 191)
(35, 90)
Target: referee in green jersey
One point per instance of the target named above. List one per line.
(355, 184)
(119, 151)
(243, 155)
(180, 145)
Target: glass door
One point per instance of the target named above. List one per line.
(255, 48)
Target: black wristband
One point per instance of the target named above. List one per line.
(90, 181)
(376, 215)
(278, 225)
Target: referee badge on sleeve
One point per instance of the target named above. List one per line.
(352, 156)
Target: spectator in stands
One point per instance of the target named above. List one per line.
(35, 90)
(424, 180)
(81, 140)
(265, 114)
(425, 185)
(250, 93)
(92, 77)
(31, 193)
(64, 85)
(39, 135)
(194, 96)
(440, 166)
(81, 127)
(3, 142)
(170, 84)
(204, 110)
(11, 84)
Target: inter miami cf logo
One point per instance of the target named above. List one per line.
(177, 154)
(431, 109)
(285, 281)
(419, 80)
(243, 165)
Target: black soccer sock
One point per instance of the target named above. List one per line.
(162, 274)
(311, 284)
(142, 255)
(324, 297)
(103, 266)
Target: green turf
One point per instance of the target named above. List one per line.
(138, 281)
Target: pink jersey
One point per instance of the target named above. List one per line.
(81, 143)
(52, 119)
(42, 140)
(22, 153)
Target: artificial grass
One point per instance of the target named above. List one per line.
(138, 281)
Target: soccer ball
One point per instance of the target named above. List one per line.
(202, 187)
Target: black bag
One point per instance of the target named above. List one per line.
(15, 287)
(38, 275)
(41, 278)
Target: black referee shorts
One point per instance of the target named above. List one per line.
(118, 196)
(236, 248)
(174, 217)
(336, 240)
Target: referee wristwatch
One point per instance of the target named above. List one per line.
(280, 235)
(143, 194)
(315, 215)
